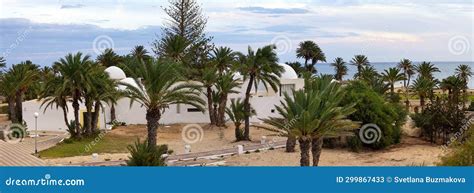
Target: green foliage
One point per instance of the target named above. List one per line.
(355, 144)
(142, 154)
(372, 108)
(462, 154)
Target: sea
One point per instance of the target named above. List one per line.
(446, 68)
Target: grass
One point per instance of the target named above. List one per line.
(108, 143)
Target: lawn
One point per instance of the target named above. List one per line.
(104, 143)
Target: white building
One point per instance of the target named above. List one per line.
(262, 101)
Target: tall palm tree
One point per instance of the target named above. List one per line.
(426, 70)
(318, 56)
(311, 114)
(159, 84)
(139, 52)
(174, 48)
(259, 67)
(225, 85)
(237, 115)
(464, 72)
(2, 63)
(8, 88)
(222, 58)
(423, 87)
(25, 75)
(309, 50)
(74, 70)
(392, 75)
(408, 71)
(340, 68)
(360, 61)
(454, 85)
(109, 58)
(208, 77)
(54, 95)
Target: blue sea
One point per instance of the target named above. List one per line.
(446, 68)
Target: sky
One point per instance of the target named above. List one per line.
(385, 31)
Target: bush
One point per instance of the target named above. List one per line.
(461, 155)
(355, 144)
(141, 154)
(471, 106)
(372, 108)
(4, 109)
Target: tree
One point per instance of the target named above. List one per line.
(454, 85)
(408, 71)
(311, 114)
(225, 85)
(223, 58)
(8, 89)
(360, 61)
(139, 52)
(426, 70)
(175, 48)
(423, 87)
(159, 84)
(297, 66)
(186, 20)
(259, 67)
(109, 58)
(392, 75)
(24, 76)
(2, 63)
(236, 113)
(340, 68)
(57, 96)
(309, 50)
(74, 69)
(464, 72)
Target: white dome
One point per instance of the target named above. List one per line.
(115, 73)
(288, 73)
(129, 81)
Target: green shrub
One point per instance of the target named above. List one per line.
(141, 154)
(4, 109)
(373, 108)
(354, 144)
(461, 155)
(471, 106)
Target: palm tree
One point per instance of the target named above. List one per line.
(25, 75)
(259, 67)
(74, 69)
(139, 52)
(208, 77)
(159, 85)
(454, 85)
(222, 58)
(237, 115)
(8, 88)
(311, 114)
(423, 87)
(109, 58)
(174, 48)
(426, 70)
(340, 68)
(306, 50)
(408, 71)
(392, 75)
(225, 85)
(464, 72)
(57, 96)
(2, 63)
(299, 69)
(361, 62)
(318, 56)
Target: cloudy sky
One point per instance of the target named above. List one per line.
(385, 31)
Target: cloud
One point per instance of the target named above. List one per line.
(74, 6)
(263, 10)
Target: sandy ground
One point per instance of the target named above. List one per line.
(411, 151)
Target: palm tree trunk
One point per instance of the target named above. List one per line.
(221, 111)
(113, 116)
(422, 103)
(65, 116)
(238, 133)
(88, 117)
(316, 148)
(305, 145)
(209, 105)
(12, 109)
(247, 108)
(95, 117)
(290, 143)
(152, 118)
(19, 107)
(75, 106)
(392, 88)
